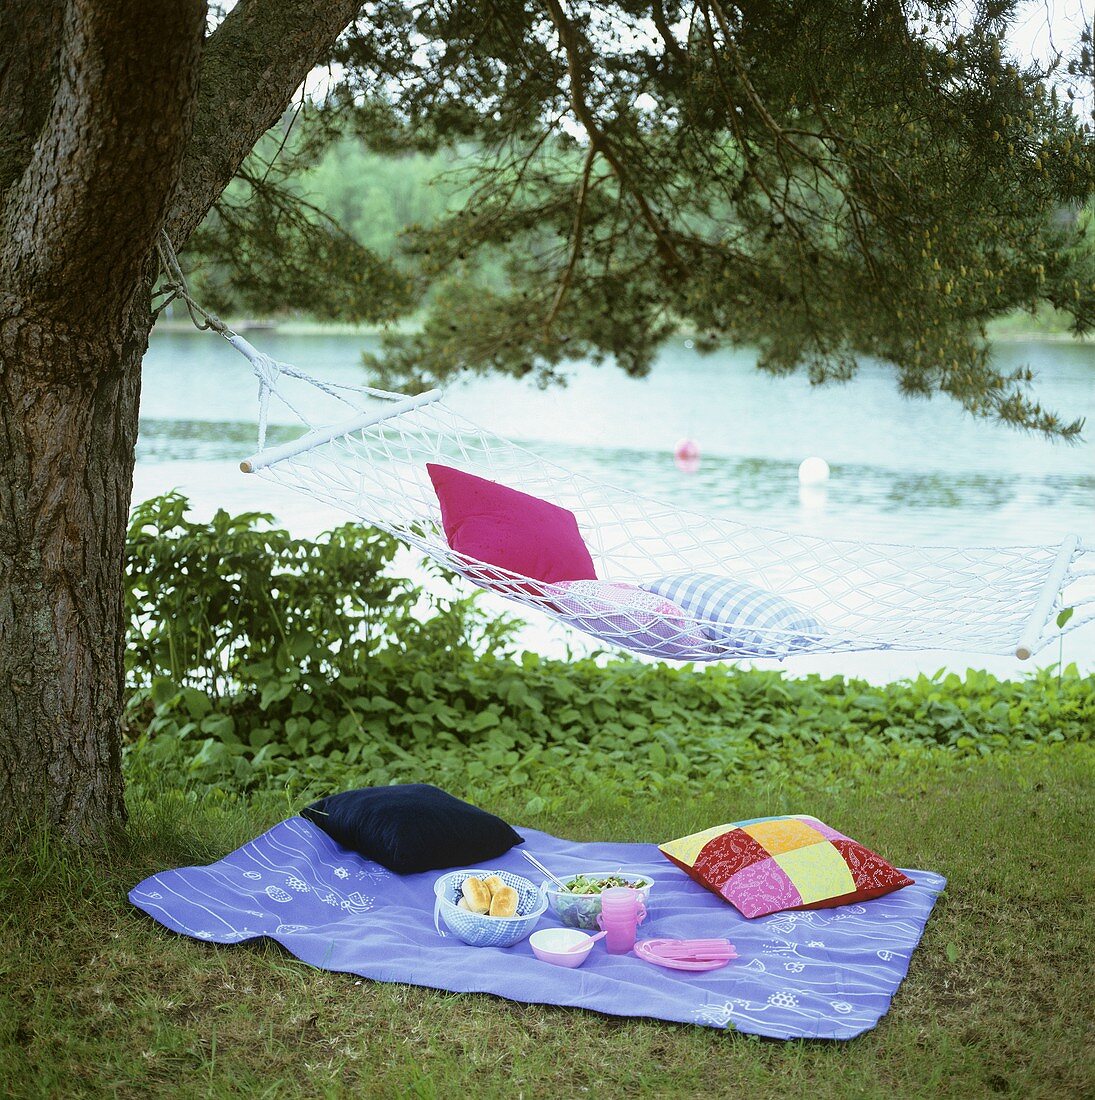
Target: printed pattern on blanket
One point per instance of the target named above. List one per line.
(809, 974)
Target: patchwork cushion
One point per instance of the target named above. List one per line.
(737, 615)
(510, 529)
(773, 863)
(412, 827)
(626, 615)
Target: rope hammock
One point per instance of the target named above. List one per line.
(370, 460)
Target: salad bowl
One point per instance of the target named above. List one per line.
(579, 905)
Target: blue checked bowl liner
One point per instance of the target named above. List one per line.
(478, 929)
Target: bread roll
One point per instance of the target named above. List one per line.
(477, 895)
(461, 904)
(494, 883)
(504, 902)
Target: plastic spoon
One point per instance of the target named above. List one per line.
(581, 945)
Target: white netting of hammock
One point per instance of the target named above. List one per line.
(371, 462)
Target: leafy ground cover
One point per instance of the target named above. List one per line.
(98, 1000)
(259, 661)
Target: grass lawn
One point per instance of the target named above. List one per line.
(98, 1000)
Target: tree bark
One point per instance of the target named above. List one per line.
(104, 139)
(93, 193)
(30, 44)
(68, 425)
(90, 193)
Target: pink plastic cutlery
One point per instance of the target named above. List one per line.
(687, 954)
(581, 945)
(692, 949)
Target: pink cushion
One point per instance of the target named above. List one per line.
(518, 532)
(628, 616)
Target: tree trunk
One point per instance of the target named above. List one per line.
(103, 141)
(93, 170)
(68, 426)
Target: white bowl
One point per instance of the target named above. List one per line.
(550, 945)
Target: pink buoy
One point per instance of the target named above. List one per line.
(686, 454)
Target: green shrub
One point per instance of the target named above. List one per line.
(208, 602)
(257, 659)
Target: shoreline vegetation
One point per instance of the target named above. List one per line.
(258, 661)
(1016, 328)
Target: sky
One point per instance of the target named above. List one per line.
(1047, 29)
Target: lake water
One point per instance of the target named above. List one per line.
(902, 470)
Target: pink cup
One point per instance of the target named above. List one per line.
(622, 910)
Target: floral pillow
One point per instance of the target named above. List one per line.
(772, 863)
(627, 616)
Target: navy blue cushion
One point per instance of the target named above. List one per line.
(413, 827)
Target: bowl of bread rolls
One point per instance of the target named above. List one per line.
(487, 908)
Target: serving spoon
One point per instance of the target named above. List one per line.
(540, 867)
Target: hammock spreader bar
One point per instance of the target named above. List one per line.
(1028, 641)
(318, 436)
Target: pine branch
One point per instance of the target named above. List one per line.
(253, 63)
(575, 241)
(569, 39)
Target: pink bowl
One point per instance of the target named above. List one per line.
(550, 945)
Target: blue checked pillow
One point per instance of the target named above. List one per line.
(737, 615)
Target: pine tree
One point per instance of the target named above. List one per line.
(826, 179)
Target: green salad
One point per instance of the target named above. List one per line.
(587, 884)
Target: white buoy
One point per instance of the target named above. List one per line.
(813, 471)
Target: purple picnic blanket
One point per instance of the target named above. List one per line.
(818, 974)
